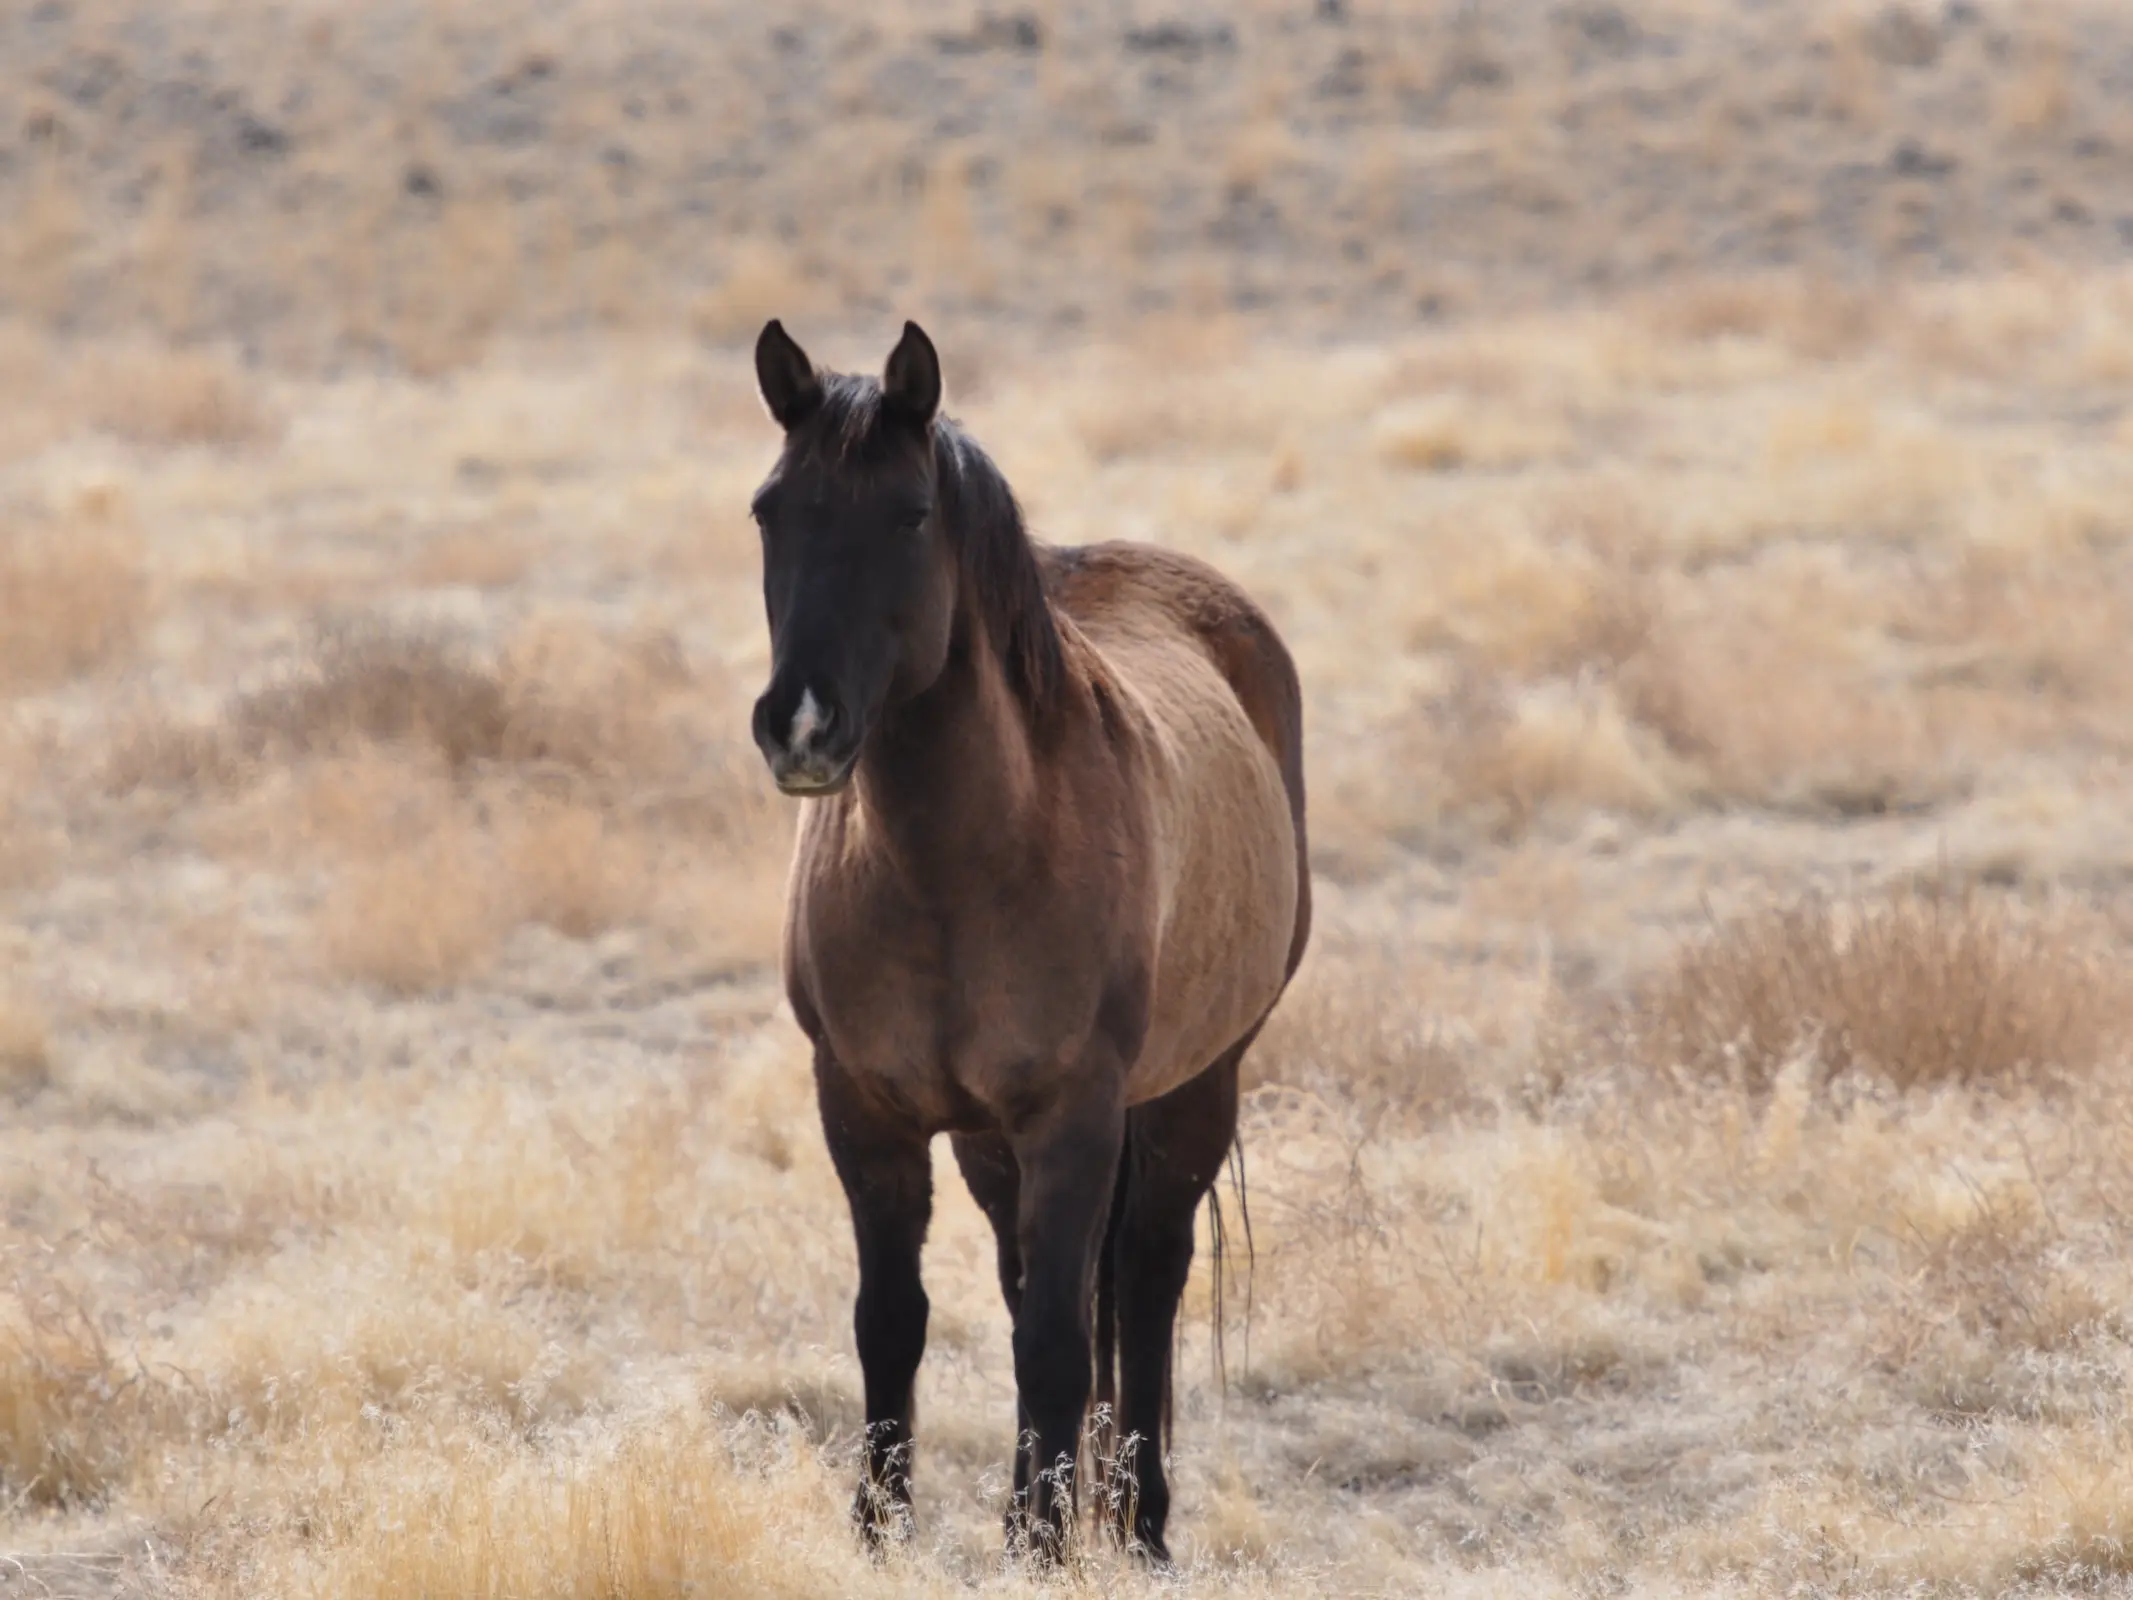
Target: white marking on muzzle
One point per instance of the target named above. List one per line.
(805, 721)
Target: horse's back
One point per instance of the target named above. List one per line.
(1220, 711)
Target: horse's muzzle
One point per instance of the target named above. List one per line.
(808, 744)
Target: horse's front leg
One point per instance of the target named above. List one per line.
(883, 1164)
(988, 1164)
(1068, 1154)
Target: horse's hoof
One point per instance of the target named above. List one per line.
(1032, 1542)
(882, 1521)
(1153, 1556)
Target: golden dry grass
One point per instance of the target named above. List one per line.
(69, 1416)
(576, 871)
(484, 1288)
(74, 596)
(25, 1050)
(1694, 1158)
(419, 917)
(173, 398)
(1920, 988)
(664, 1514)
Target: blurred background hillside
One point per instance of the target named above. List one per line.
(405, 181)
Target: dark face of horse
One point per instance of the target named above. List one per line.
(858, 578)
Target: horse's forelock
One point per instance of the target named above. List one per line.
(847, 425)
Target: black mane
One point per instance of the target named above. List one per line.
(999, 562)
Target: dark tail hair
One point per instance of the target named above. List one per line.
(1106, 1318)
(1218, 1263)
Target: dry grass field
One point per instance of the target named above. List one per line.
(1689, 447)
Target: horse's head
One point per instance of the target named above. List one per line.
(859, 579)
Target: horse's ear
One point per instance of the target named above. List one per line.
(785, 375)
(911, 383)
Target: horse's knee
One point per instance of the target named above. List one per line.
(889, 1324)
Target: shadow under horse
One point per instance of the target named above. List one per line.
(1050, 880)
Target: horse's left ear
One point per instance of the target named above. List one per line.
(911, 383)
(787, 379)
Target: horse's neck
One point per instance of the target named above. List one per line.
(951, 777)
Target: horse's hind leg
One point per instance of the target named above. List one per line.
(1067, 1154)
(988, 1164)
(888, 1182)
(1175, 1147)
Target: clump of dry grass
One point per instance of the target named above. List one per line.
(1357, 1029)
(556, 697)
(2076, 1519)
(1489, 756)
(25, 1052)
(574, 870)
(68, 1419)
(1531, 607)
(1995, 1278)
(1510, 757)
(403, 1329)
(440, 858)
(2035, 623)
(384, 685)
(568, 1198)
(178, 397)
(419, 918)
(73, 596)
(1829, 744)
(1917, 988)
(731, 908)
(669, 1510)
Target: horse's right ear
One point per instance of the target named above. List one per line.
(911, 383)
(785, 376)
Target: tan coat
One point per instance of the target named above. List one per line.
(1129, 885)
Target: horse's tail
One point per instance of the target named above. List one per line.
(1219, 1272)
(1219, 1263)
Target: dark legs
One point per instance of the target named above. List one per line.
(1046, 1188)
(1173, 1148)
(1176, 1146)
(1068, 1157)
(1078, 1183)
(888, 1181)
(988, 1165)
